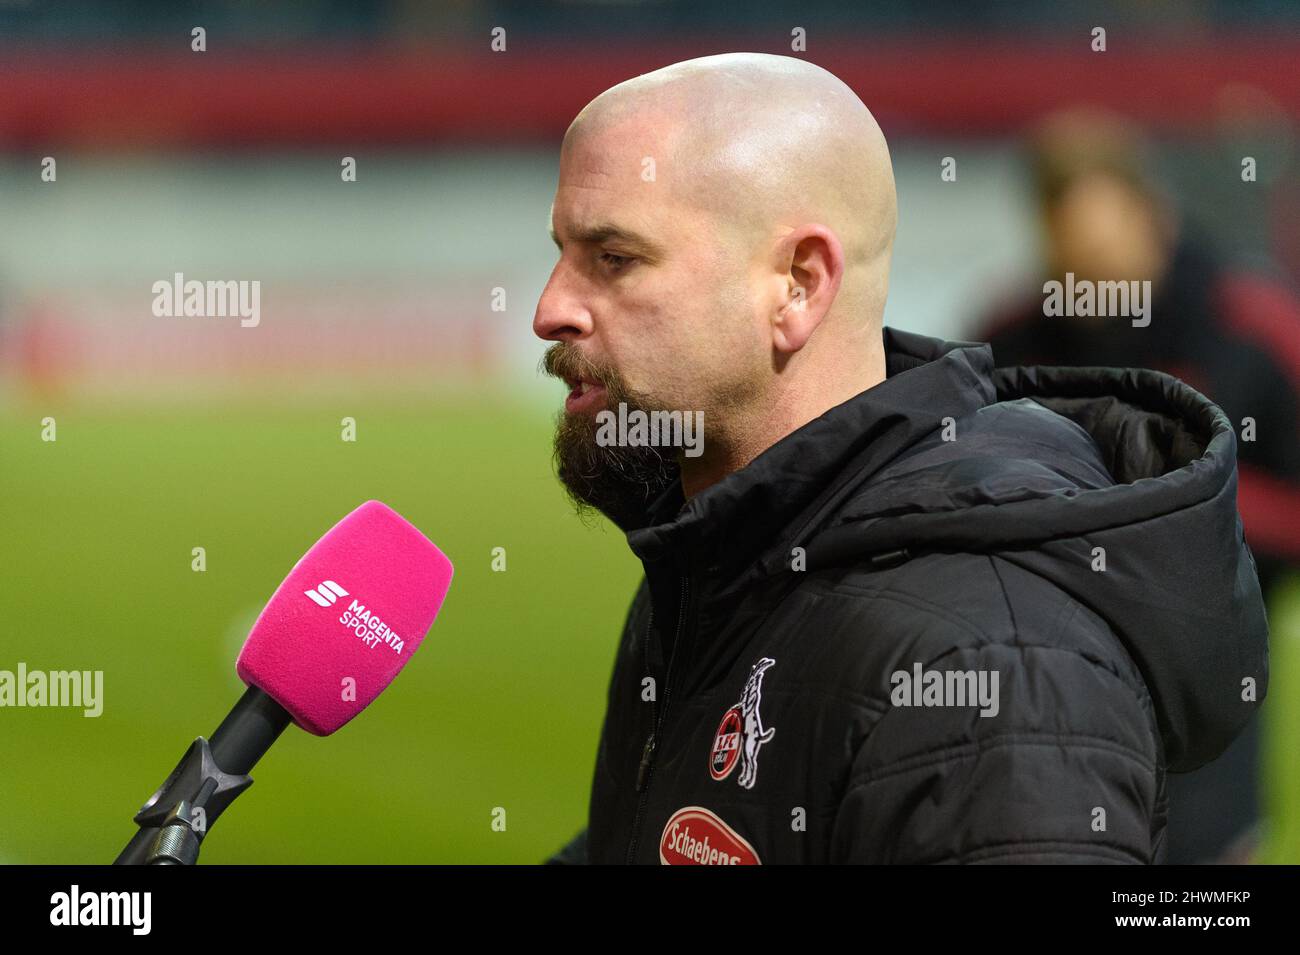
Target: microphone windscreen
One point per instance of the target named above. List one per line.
(347, 618)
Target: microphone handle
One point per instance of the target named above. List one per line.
(209, 776)
(247, 732)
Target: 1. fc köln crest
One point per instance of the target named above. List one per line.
(741, 732)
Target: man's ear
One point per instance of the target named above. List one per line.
(815, 269)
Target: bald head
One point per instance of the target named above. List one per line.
(761, 141)
(725, 227)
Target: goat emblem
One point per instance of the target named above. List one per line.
(741, 732)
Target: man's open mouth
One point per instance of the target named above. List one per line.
(584, 395)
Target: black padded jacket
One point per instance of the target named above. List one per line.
(969, 615)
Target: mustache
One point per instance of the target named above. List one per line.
(564, 360)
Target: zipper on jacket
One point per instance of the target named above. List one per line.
(650, 740)
(656, 721)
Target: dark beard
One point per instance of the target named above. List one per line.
(619, 482)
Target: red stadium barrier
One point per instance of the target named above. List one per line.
(152, 97)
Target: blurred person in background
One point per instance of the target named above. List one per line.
(1232, 335)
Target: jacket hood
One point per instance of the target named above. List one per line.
(1118, 485)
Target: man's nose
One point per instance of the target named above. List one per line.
(561, 315)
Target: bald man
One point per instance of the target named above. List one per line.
(897, 606)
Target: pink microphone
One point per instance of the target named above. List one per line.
(347, 618)
(334, 634)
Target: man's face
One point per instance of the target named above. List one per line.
(648, 304)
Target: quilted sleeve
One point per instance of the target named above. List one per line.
(1059, 763)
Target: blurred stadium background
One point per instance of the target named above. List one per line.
(377, 304)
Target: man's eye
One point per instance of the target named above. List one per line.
(616, 262)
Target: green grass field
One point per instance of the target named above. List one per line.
(501, 707)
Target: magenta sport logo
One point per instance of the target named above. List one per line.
(327, 593)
